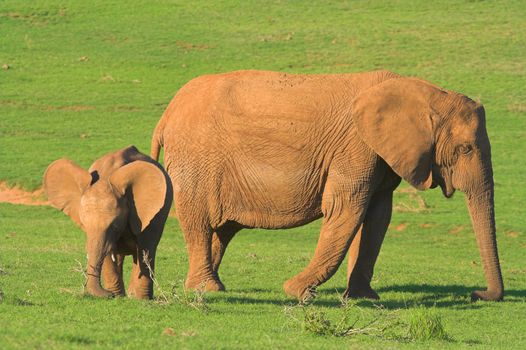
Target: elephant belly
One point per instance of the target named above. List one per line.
(260, 187)
(281, 198)
(276, 220)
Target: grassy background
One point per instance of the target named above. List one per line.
(86, 78)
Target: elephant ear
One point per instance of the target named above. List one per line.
(146, 187)
(64, 183)
(395, 119)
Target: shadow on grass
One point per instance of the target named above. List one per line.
(447, 290)
(440, 296)
(77, 340)
(450, 296)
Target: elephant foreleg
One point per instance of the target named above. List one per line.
(143, 270)
(365, 247)
(337, 232)
(112, 274)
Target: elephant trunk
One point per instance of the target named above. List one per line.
(97, 250)
(481, 210)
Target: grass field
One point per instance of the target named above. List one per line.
(81, 78)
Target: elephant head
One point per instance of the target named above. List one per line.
(104, 208)
(107, 164)
(429, 137)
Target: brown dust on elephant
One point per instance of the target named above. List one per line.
(258, 149)
(122, 203)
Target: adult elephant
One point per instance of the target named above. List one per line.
(272, 150)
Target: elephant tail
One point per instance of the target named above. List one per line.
(157, 139)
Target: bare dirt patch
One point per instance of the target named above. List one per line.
(512, 234)
(401, 227)
(409, 201)
(23, 104)
(68, 108)
(16, 195)
(456, 230)
(189, 46)
(517, 108)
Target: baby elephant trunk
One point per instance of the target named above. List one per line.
(97, 250)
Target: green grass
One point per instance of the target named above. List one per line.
(426, 324)
(86, 78)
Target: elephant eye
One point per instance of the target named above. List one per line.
(465, 149)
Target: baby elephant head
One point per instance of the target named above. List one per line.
(104, 208)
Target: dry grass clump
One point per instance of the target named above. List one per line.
(402, 325)
(195, 299)
(351, 321)
(410, 201)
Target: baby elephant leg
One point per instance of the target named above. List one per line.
(143, 270)
(112, 274)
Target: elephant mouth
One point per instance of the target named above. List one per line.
(448, 193)
(446, 186)
(447, 189)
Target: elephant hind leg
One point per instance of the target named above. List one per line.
(220, 240)
(200, 273)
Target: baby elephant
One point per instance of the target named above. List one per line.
(122, 203)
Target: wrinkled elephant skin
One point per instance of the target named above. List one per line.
(272, 150)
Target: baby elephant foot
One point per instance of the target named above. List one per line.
(118, 292)
(361, 292)
(134, 294)
(140, 291)
(207, 285)
(296, 289)
(94, 288)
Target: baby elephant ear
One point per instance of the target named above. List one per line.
(64, 183)
(394, 119)
(146, 187)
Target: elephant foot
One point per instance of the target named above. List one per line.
(137, 291)
(94, 288)
(304, 293)
(118, 293)
(361, 293)
(207, 285)
(487, 295)
(116, 290)
(102, 293)
(142, 296)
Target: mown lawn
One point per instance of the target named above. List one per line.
(81, 78)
